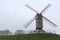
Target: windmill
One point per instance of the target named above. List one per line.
(39, 19)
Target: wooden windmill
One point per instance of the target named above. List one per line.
(39, 18)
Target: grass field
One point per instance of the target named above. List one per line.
(31, 37)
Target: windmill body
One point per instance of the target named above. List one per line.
(39, 22)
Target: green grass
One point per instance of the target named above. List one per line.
(31, 37)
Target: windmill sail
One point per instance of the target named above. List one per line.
(45, 9)
(29, 22)
(50, 22)
(31, 8)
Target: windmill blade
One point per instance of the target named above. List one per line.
(31, 8)
(45, 9)
(48, 21)
(29, 22)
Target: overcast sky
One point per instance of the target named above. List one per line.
(14, 14)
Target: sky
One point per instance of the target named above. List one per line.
(14, 14)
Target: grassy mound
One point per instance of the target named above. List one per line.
(31, 37)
